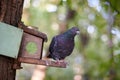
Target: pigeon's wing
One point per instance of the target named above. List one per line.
(66, 49)
(70, 47)
(61, 47)
(53, 49)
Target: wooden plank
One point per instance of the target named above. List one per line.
(43, 62)
(10, 39)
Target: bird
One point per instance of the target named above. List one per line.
(62, 45)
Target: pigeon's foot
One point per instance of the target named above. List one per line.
(61, 61)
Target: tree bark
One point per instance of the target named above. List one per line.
(10, 13)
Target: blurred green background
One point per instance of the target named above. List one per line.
(96, 55)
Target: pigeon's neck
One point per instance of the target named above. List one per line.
(69, 34)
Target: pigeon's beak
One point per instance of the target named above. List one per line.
(77, 32)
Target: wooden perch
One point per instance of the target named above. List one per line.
(43, 62)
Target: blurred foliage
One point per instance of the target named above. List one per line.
(96, 55)
(115, 5)
(59, 75)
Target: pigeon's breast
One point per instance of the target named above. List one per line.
(65, 46)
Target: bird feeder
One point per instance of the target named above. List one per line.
(31, 49)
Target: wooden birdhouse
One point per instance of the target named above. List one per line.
(32, 47)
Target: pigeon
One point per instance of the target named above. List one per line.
(62, 45)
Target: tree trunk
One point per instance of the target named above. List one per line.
(10, 13)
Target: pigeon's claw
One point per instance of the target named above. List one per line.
(61, 61)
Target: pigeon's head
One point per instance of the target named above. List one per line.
(75, 30)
